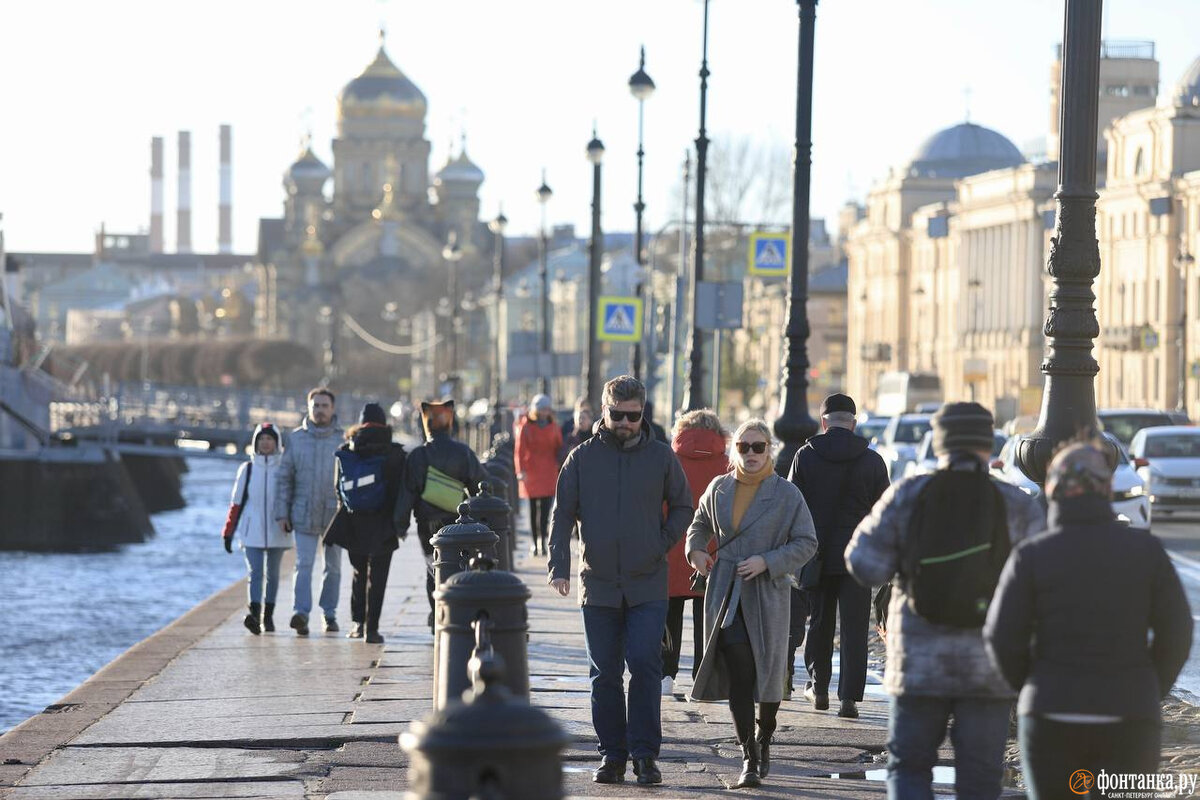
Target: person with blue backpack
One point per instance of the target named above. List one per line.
(372, 514)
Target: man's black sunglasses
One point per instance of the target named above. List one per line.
(632, 416)
(757, 447)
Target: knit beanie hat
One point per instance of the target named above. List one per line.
(372, 413)
(263, 429)
(539, 402)
(962, 427)
(1078, 469)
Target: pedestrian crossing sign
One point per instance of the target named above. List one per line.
(619, 320)
(770, 254)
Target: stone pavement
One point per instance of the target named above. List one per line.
(203, 709)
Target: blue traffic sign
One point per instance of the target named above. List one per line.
(769, 254)
(619, 319)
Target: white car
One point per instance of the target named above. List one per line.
(1130, 498)
(899, 440)
(1168, 459)
(926, 462)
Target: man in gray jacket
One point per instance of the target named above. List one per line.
(614, 486)
(938, 671)
(306, 502)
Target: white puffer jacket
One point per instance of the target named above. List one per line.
(256, 527)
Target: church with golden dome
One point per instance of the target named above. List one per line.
(356, 261)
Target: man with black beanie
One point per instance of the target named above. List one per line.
(840, 478)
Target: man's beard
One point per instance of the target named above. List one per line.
(625, 434)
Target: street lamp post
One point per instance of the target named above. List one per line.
(794, 425)
(497, 227)
(641, 87)
(1184, 261)
(453, 253)
(543, 195)
(695, 392)
(594, 379)
(1069, 399)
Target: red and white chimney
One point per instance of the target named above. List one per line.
(156, 194)
(225, 207)
(183, 232)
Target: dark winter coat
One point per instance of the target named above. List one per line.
(378, 532)
(1068, 625)
(841, 478)
(451, 457)
(701, 453)
(616, 494)
(535, 453)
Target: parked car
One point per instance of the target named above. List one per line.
(1123, 423)
(871, 427)
(1130, 496)
(1168, 459)
(926, 462)
(1179, 417)
(899, 440)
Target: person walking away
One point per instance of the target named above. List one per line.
(840, 477)
(764, 533)
(535, 459)
(437, 472)
(576, 430)
(944, 538)
(250, 520)
(699, 442)
(1057, 590)
(614, 486)
(660, 432)
(306, 503)
(372, 515)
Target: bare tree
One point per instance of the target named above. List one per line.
(748, 181)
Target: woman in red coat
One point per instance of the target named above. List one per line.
(699, 444)
(535, 459)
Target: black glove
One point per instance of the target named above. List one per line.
(228, 543)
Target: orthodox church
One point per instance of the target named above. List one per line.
(352, 266)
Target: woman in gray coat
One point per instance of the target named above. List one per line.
(764, 534)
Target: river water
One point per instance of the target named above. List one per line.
(67, 615)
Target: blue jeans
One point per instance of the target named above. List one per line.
(306, 556)
(255, 558)
(615, 637)
(916, 728)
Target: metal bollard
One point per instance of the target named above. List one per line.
(477, 596)
(494, 512)
(453, 548)
(502, 486)
(492, 746)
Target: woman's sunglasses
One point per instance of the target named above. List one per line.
(757, 447)
(632, 416)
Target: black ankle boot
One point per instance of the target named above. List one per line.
(268, 623)
(750, 766)
(251, 620)
(764, 753)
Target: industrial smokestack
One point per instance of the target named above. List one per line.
(183, 233)
(156, 195)
(225, 207)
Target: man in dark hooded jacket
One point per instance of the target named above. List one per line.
(841, 478)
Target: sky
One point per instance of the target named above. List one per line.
(86, 85)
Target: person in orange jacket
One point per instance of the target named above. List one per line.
(535, 459)
(699, 443)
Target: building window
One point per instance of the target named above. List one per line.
(1139, 163)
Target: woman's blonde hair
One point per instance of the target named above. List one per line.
(704, 418)
(755, 425)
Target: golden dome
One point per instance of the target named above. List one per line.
(382, 90)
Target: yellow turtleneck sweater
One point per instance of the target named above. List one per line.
(745, 488)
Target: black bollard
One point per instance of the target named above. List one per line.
(491, 746)
(481, 595)
(494, 512)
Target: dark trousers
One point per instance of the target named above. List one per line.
(796, 628)
(367, 587)
(838, 594)
(734, 644)
(616, 637)
(539, 521)
(672, 642)
(1052, 752)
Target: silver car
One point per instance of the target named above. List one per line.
(899, 440)
(1130, 498)
(926, 462)
(1168, 459)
